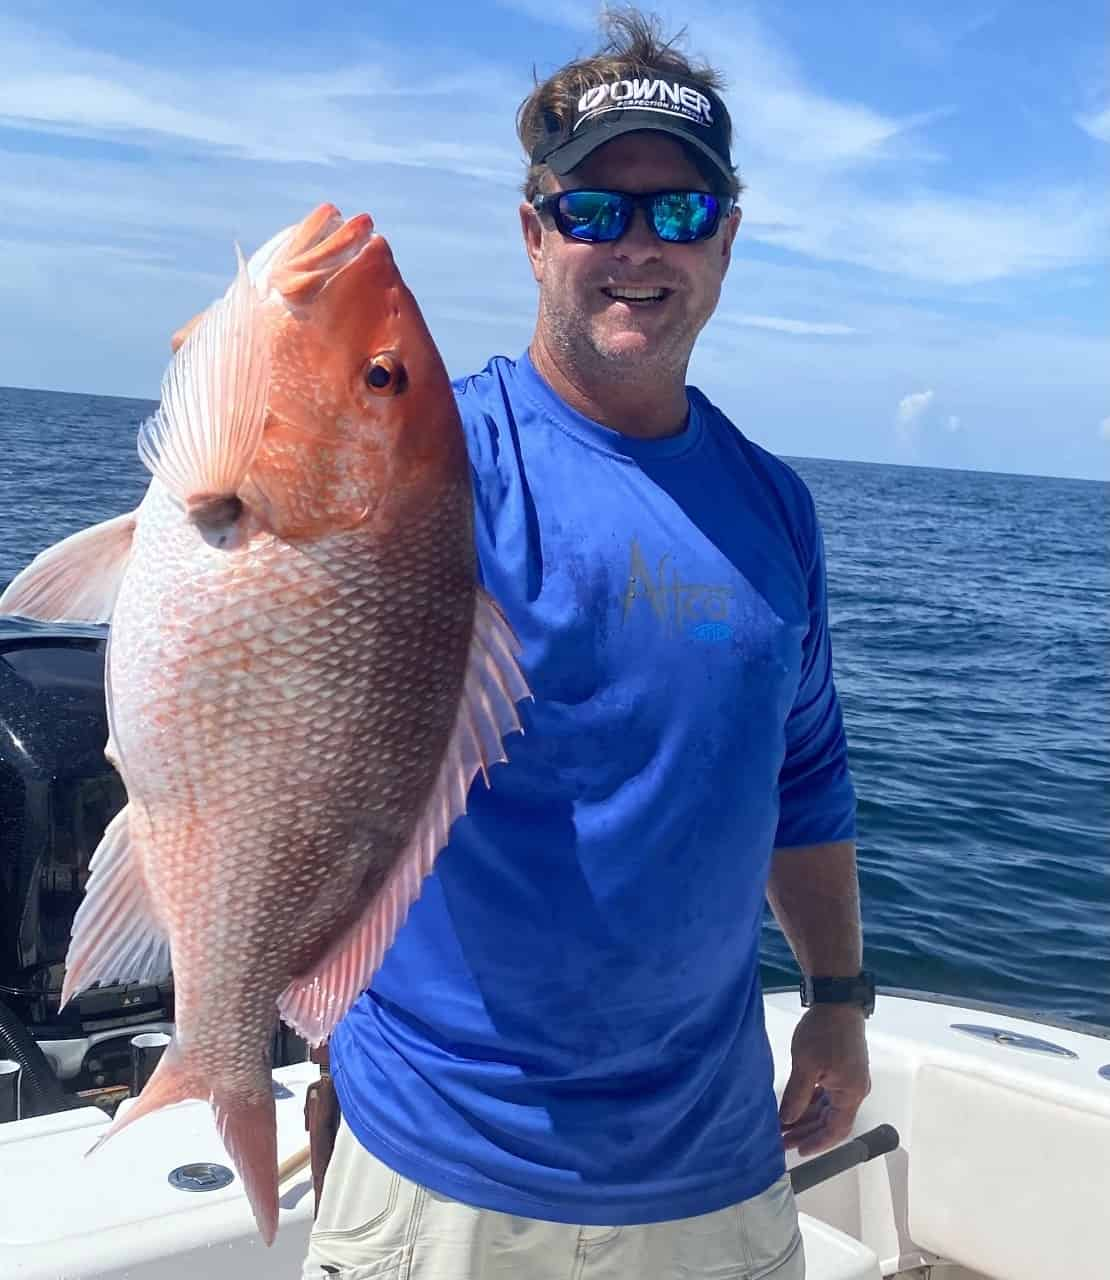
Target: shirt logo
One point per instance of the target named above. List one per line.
(700, 609)
(646, 95)
(712, 632)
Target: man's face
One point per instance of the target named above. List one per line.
(579, 317)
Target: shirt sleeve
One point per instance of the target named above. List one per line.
(817, 801)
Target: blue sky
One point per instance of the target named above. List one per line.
(921, 274)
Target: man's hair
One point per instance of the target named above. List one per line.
(633, 46)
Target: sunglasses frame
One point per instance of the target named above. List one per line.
(548, 202)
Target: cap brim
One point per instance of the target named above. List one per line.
(571, 154)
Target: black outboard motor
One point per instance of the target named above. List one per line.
(57, 794)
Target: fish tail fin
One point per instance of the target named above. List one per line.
(248, 1127)
(205, 434)
(171, 1082)
(246, 1120)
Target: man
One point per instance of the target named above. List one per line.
(561, 1068)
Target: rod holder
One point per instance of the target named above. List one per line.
(11, 1074)
(146, 1049)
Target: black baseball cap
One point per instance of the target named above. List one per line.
(660, 103)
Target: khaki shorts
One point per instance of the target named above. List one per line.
(375, 1225)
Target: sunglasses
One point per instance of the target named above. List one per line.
(600, 217)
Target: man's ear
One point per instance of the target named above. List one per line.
(732, 226)
(532, 230)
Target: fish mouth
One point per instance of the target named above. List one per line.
(320, 248)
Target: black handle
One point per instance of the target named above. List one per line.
(876, 1142)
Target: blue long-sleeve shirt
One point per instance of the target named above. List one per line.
(569, 1026)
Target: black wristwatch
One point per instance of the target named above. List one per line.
(859, 990)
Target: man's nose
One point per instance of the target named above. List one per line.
(639, 242)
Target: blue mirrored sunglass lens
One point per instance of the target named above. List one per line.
(683, 215)
(593, 215)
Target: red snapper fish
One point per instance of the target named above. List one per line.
(303, 677)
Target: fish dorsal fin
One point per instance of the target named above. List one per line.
(314, 1003)
(116, 936)
(77, 579)
(203, 438)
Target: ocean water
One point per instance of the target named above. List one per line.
(970, 618)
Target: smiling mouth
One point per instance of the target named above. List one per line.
(636, 297)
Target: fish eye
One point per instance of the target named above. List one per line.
(385, 375)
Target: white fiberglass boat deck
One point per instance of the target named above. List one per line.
(1003, 1169)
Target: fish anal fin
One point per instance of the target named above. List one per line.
(77, 579)
(314, 1002)
(116, 935)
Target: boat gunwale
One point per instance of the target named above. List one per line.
(1095, 1029)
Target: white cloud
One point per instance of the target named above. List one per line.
(780, 324)
(911, 411)
(952, 240)
(814, 165)
(114, 246)
(807, 156)
(952, 424)
(361, 111)
(1104, 429)
(1097, 125)
(776, 114)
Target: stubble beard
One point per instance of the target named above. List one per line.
(584, 353)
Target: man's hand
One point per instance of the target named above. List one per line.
(829, 1078)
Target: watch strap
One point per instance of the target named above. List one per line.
(859, 990)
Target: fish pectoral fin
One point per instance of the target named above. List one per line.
(77, 579)
(314, 1002)
(203, 438)
(116, 935)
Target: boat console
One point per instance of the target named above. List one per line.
(57, 794)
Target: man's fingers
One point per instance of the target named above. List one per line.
(798, 1134)
(797, 1096)
(832, 1127)
(814, 1111)
(831, 1132)
(814, 1145)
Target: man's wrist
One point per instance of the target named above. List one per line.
(857, 991)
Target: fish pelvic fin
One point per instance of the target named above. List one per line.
(116, 933)
(77, 579)
(314, 1002)
(203, 438)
